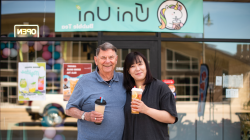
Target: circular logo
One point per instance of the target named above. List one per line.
(172, 88)
(172, 15)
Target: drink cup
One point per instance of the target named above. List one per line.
(136, 94)
(100, 107)
(177, 25)
(73, 82)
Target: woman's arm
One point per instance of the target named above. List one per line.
(159, 115)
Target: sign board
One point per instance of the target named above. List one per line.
(218, 81)
(168, 81)
(72, 72)
(26, 30)
(31, 81)
(233, 81)
(232, 93)
(180, 16)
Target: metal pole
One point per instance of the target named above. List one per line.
(210, 104)
(203, 44)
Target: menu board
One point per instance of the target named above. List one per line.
(31, 81)
(72, 72)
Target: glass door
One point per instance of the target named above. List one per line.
(147, 48)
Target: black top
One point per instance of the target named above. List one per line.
(156, 95)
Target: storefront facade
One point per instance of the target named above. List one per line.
(223, 47)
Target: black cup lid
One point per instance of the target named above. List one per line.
(98, 101)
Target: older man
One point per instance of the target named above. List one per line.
(103, 82)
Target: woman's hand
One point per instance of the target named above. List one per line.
(159, 115)
(138, 105)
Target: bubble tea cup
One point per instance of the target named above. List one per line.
(136, 94)
(100, 107)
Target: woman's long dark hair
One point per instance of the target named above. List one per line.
(128, 80)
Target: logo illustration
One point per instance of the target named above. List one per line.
(172, 15)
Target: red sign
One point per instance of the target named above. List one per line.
(74, 70)
(168, 81)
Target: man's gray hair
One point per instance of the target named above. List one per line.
(105, 46)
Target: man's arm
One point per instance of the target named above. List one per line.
(74, 112)
(92, 116)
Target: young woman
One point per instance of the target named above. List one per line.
(157, 106)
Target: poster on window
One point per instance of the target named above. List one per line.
(72, 72)
(31, 81)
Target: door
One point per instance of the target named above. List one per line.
(148, 48)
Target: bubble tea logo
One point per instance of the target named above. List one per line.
(172, 15)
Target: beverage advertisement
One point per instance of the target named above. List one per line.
(31, 81)
(72, 72)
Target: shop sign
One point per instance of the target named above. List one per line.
(26, 30)
(204, 74)
(31, 81)
(72, 72)
(129, 15)
(168, 81)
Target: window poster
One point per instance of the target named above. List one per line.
(72, 72)
(31, 81)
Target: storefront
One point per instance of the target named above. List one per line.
(223, 45)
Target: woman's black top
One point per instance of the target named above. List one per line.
(156, 95)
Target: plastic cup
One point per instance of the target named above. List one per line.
(32, 87)
(100, 107)
(136, 94)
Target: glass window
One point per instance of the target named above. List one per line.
(13, 91)
(4, 79)
(179, 80)
(124, 53)
(4, 65)
(195, 90)
(179, 61)
(142, 51)
(169, 55)
(180, 57)
(182, 66)
(195, 80)
(13, 79)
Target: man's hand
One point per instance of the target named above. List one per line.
(93, 116)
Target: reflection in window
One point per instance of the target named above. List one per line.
(180, 80)
(180, 57)
(177, 61)
(142, 51)
(124, 53)
(4, 79)
(182, 66)
(169, 55)
(186, 87)
(195, 80)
